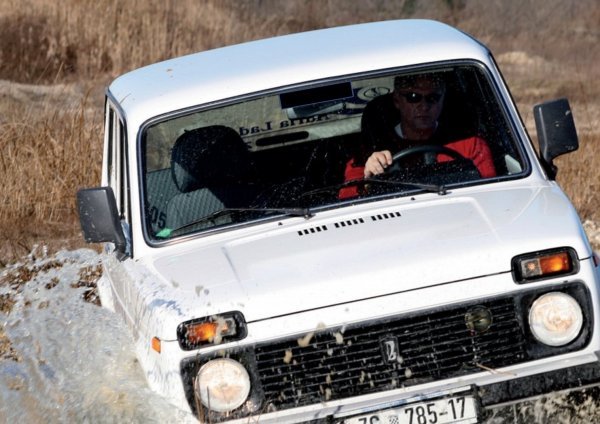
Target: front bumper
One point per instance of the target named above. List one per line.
(518, 390)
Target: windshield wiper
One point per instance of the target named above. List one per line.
(303, 212)
(431, 188)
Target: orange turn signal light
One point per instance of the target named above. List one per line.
(202, 332)
(156, 344)
(544, 264)
(211, 330)
(559, 262)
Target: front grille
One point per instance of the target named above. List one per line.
(350, 361)
(432, 345)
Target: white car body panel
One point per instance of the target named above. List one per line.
(395, 254)
(352, 264)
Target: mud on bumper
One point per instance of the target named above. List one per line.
(566, 395)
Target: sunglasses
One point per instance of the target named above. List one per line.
(414, 98)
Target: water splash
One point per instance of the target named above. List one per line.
(64, 359)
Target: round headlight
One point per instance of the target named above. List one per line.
(555, 319)
(222, 384)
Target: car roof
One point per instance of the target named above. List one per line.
(280, 61)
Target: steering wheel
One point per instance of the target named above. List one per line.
(424, 148)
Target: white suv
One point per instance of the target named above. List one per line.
(264, 278)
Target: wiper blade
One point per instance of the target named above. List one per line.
(303, 212)
(432, 188)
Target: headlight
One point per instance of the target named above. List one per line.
(222, 384)
(555, 319)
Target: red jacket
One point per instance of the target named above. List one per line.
(473, 148)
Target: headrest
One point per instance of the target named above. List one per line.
(207, 157)
(379, 118)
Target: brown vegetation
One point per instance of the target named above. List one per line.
(56, 57)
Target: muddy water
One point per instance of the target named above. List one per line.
(65, 359)
(577, 407)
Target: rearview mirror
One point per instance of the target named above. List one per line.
(556, 132)
(99, 217)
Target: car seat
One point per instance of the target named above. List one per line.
(212, 169)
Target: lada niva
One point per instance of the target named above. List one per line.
(267, 276)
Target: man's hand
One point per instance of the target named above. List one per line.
(377, 163)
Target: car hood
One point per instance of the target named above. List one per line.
(304, 265)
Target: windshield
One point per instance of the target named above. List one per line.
(294, 152)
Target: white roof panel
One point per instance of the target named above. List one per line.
(279, 61)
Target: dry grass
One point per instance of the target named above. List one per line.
(55, 58)
(43, 158)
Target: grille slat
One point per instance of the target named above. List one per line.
(432, 346)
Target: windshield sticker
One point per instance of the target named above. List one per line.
(318, 112)
(284, 124)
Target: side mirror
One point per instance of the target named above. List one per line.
(99, 217)
(556, 132)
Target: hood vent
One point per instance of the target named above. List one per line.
(348, 223)
(312, 230)
(382, 216)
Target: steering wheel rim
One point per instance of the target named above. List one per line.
(426, 148)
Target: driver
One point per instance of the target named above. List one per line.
(417, 104)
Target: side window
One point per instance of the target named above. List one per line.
(123, 190)
(117, 165)
(108, 164)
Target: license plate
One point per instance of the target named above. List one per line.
(458, 409)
